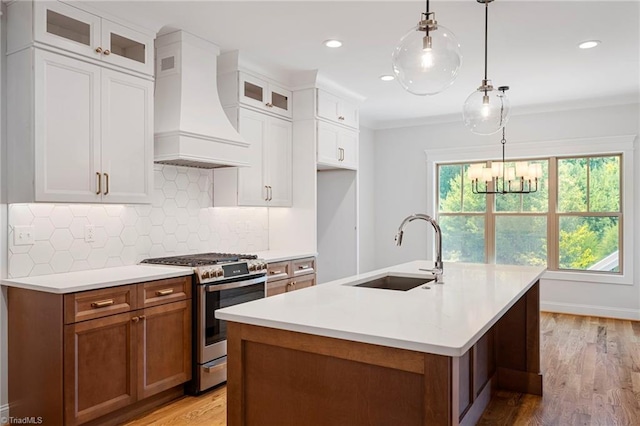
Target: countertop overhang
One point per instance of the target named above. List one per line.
(446, 319)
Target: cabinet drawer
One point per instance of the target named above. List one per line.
(159, 292)
(93, 304)
(304, 266)
(278, 270)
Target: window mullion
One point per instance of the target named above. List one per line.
(553, 220)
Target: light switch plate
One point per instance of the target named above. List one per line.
(23, 235)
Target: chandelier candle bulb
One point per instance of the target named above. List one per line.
(522, 169)
(487, 174)
(511, 174)
(475, 171)
(496, 168)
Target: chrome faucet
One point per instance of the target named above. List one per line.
(438, 269)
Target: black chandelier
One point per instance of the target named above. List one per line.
(500, 179)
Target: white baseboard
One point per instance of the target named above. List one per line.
(596, 311)
(4, 411)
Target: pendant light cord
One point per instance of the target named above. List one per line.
(426, 17)
(486, 31)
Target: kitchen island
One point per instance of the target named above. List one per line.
(339, 354)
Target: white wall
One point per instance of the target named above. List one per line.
(402, 187)
(366, 194)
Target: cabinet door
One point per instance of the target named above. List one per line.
(66, 27)
(328, 144)
(348, 114)
(279, 162)
(67, 129)
(127, 48)
(99, 367)
(304, 281)
(328, 105)
(251, 187)
(348, 143)
(127, 138)
(164, 347)
(253, 91)
(279, 101)
(278, 287)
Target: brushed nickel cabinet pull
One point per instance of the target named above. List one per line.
(303, 267)
(275, 272)
(266, 198)
(165, 292)
(107, 52)
(142, 317)
(98, 49)
(341, 118)
(270, 193)
(290, 285)
(102, 303)
(99, 183)
(270, 105)
(106, 176)
(135, 319)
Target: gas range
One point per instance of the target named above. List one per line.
(215, 268)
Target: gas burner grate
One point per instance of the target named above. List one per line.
(200, 259)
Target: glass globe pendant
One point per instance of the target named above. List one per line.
(486, 110)
(428, 58)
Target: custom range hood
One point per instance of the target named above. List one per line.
(191, 128)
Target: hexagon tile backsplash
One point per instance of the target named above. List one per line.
(179, 220)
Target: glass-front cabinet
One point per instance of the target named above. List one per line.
(264, 95)
(64, 26)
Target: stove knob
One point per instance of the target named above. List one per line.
(253, 267)
(205, 274)
(263, 266)
(219, 273)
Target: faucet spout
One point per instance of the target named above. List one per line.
(439, 267)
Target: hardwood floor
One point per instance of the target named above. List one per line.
(591, 370)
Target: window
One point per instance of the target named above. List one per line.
(572, 223)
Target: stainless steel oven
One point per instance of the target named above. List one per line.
(221, 280)
(211, 332)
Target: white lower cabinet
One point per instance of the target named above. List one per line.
(91, 138)
(267, 182)
(337, 147)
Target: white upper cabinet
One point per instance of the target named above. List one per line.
(88, 137)
(268, 180)
(335, 109)
(66, 27)
(264, 95)
(337, 147)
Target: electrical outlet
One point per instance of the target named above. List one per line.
(89, 233)
(23, 235)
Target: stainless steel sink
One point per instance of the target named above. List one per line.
(392, 282)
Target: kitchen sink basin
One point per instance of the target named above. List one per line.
(392, 282)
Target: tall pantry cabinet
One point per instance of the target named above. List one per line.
(80, 116)
(326, 117)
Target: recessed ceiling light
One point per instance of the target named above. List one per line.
(589, 44)
(333, 43)
(387, 77)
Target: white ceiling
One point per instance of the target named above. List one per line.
(532, 46)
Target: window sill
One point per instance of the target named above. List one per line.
(607, 279)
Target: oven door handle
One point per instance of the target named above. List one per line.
(219, 287)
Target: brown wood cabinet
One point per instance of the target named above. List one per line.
(122, 349)
(290, 275)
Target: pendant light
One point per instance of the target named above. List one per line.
(428, 58)
(500, 179)
(486, 110)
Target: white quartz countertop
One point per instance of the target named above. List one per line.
(447, 319)
(71, 282)
(279, 255)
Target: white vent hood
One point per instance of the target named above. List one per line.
(191, 128)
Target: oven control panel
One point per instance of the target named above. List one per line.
(214, 273)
